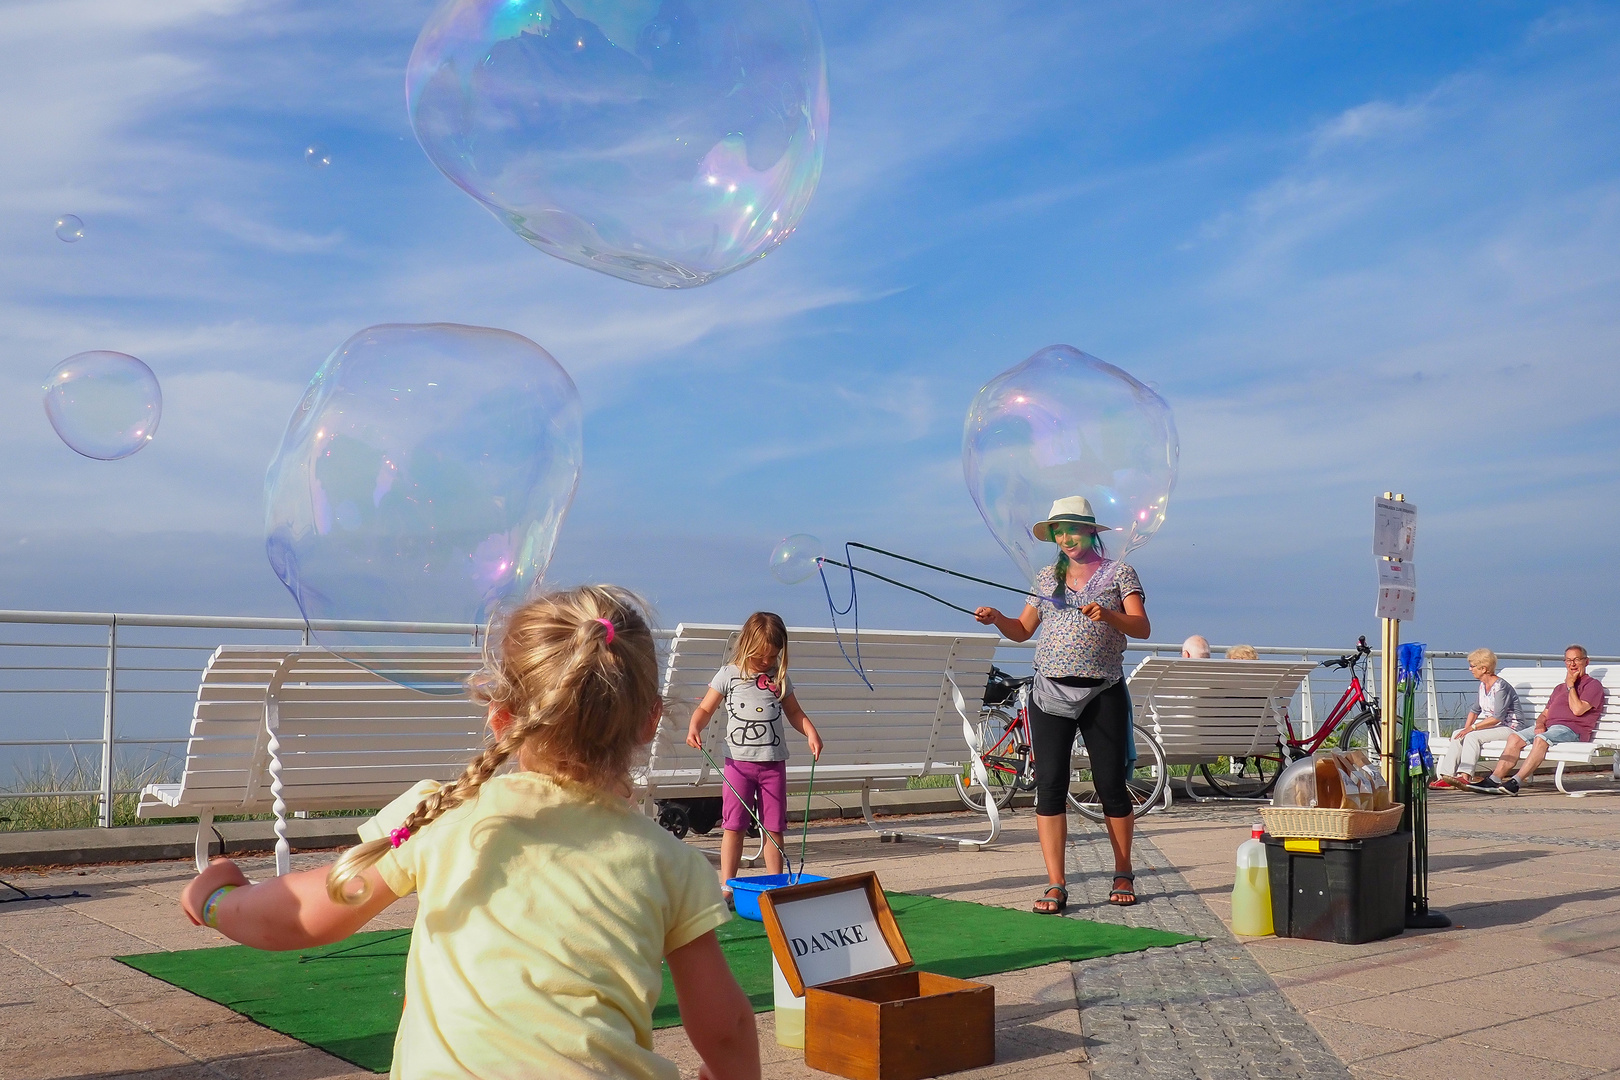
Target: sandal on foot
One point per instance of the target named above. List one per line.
(1123, 897)
(1054, 904)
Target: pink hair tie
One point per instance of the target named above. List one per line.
(609, 626)
(399, 836)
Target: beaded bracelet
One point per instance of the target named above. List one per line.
(210, 908)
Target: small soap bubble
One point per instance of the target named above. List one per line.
(104, 405)
(423, 477)
(664, 143)
(1064, 423)
(70, 228)
(797, 558)
(317, 156)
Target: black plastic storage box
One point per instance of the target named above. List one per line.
(1347, 891)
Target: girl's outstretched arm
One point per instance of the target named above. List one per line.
(288, 912)
(700, 718)
(802, 724)
(718, 1018)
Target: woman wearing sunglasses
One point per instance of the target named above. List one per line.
(1088, 604)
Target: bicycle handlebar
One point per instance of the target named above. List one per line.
(1362, 649)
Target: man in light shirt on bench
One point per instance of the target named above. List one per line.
(1571, 715)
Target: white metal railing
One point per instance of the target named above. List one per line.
(122, 681)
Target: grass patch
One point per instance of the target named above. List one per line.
(33, 803)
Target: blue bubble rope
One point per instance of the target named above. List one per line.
(853, 607)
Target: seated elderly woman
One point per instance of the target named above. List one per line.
(1494, 717)
(1242, 652)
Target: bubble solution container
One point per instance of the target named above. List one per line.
(745, 893)
(1346, 891)
(745, 890)
(1251, 889)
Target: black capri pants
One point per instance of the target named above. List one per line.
(1105, 724)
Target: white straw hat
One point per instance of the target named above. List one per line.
(1075, 510)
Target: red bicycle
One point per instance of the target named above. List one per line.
(1354, 717)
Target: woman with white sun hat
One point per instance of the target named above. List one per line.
(1089, 605)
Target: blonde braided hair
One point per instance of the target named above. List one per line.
(580, 692)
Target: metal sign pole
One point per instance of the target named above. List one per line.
(1393, 756)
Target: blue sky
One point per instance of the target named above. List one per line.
(1358, 247)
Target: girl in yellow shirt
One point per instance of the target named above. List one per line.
(546, 902)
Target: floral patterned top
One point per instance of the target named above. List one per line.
(1072, 644)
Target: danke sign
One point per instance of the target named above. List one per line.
(834, 936)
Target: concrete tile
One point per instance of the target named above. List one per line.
(1504, 999)
(1548, 1037)
(1403, 1012)
(1602, 1016)
(1447, 1060)
(1354, 1041)
(1309, 996)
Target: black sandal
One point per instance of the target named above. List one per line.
(1056, 903)
(1123, 897)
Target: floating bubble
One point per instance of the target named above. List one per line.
(70, 228)
(796, 558)
(664, 143)
(104, 405)
(1064, 423)
(423, 478)
(317, 156)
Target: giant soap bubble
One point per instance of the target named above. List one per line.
(104, 405)
(1064, 423)
(664, 142)
(797, 558)
(422, 478)
(70, 228)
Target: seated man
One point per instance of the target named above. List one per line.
(1571, 715)
(1495, 716)
(1195, 648)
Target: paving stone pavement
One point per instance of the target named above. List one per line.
(1204, 1010)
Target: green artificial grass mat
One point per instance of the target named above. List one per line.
(346, 998)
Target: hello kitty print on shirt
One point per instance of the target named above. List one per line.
(753, 714)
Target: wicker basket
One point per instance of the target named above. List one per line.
(1309, 822)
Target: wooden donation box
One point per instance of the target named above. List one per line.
(868, 1014)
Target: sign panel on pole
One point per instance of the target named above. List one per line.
(1394, 529)
(1397, 590)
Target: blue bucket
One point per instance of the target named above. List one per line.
(745, 890)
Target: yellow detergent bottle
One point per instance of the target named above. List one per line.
(1251, 891)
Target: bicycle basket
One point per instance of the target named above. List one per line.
(999, 687)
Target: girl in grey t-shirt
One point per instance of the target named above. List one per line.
(758, 695)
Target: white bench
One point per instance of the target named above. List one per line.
(1201, 710)
(1534, 686)
(279, 729)
(905, 725)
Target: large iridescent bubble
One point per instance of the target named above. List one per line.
(797, 558)
(423, 477)
(1064, 423)
(666, 142)
(104, 405)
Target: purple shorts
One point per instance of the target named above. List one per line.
(762, 783)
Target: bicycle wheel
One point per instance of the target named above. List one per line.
(1004, 762)
(1245, 778)
(1145, 784)
(1364, 731)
